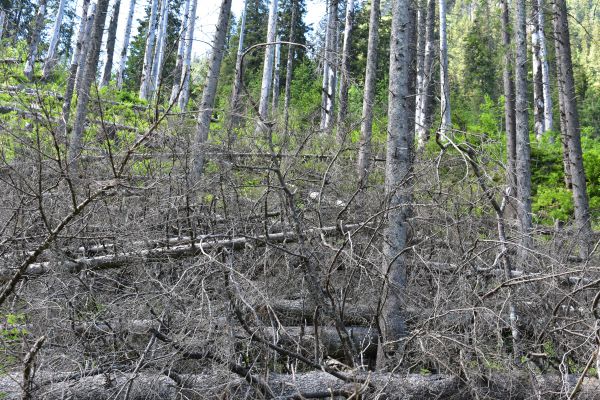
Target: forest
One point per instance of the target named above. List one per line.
(399, 199)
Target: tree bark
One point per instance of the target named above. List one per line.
(234, 118)
(187, 61)
(2, 21)
(160, 49)
(123, 61)
(83, 93)
(366, 126)
(444, 84)
(149, 52)
(35, 39)
(50, 61)
(210, 90)
(85, 49)
(425, 90)
(523, 157)
(548, 114)
(397, 183)
(345, 71)
(75, 62)
(572, 134)
(289, 68)
(276, 78)
(331, 71)
(509, 99)
(110, 43)
(538, 86)
(267, 76)
(180, 54)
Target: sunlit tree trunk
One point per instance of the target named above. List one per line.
(110, 43)
(276, 72)
(234, 114)
(89, 76)
(75, 63)
(444, 84)
(2, 21)
(397, 183)
(160, 48)
(333, 28)
(50, 60)
(509, 97)
(85, 48)
(267, 76)
(149, 53)
(35, 39)
(366, 126)
(425, 89)
(210, 90)
(187, 61)
(289, 67)
(523, 157)
(572, 134)
(548, 114)
(180, 54)
(345, 70)
(538, 90)
(127, 35)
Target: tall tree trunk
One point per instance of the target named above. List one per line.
(187, 61)
(563, 126)
(50, 60)
(509, 98)
(160, 48)
(421, 38)
(538, 88)
(180, 54)
(123, 61)
(548, 115)
(523, 159)
(366, 126)
(444, 84)
(86, 45)
(324, 84)
(83, 94)
(35, 39)
(276, 72)
(345, 71)
(210, 90)
(110, 43)
(234, 118)
(572, 134)
(267, 76)
(332, 65)
(75, 62)
(289, 67)
(397, 183)
(2, 21)
(149, 52)
(425, 90)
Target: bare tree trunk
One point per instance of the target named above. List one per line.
(366, 126)
(523, 157)
(35, 39)
(267, 76)
(276, 72)
(110, 43)
(538, 89)
(75, 62)
(345, 71)
(509, 98)
(160, 48)
(425, 90)
(180, 54)
(324, 84)
(2, 21)
(444, 84)
(85, 49)
(572, 135)
(123, 61)
(421, 32)
(187, 61)
(149, 52)
(210, 90)
(289, 67)
(50, 61)
(563, 126)
(83, 94)
(548, 117)
(332, 64)
(397, 186)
